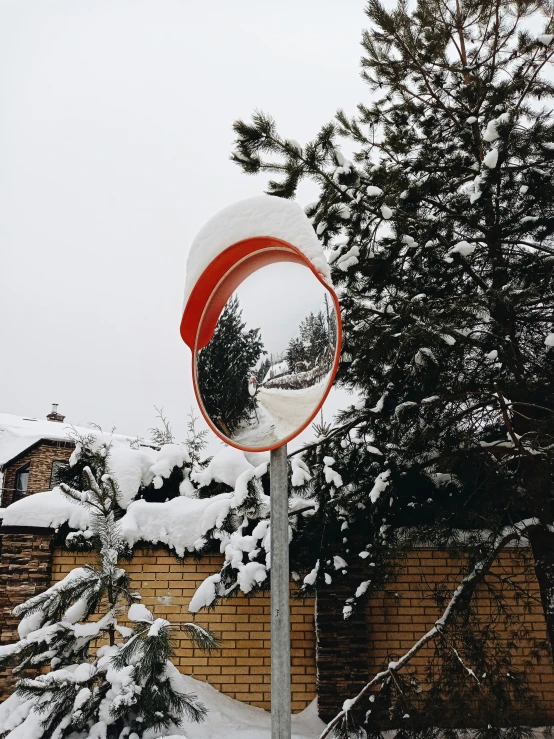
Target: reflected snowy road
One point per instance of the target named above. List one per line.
(291, 408)
(280, 413)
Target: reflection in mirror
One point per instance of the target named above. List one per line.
(268, 366)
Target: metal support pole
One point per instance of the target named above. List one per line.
(280, 614)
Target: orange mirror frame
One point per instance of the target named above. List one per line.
(214, 288)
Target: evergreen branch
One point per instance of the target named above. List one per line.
(337, 431)
(202, 638)
(532, 405)
(459, 259)
(538, 247)
(464, 591)
(539, 67)
(504, 409)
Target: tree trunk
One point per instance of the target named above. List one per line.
(536, 474)
(342, 645)
(542, 546)
(536, 479)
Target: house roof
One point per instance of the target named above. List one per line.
(19, 433)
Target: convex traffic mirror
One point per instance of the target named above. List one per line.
(262, 321)
(268, 365)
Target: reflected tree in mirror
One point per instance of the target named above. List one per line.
(224, 368)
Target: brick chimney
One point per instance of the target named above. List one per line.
(54, 415)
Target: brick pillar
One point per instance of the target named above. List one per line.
(25, 570)
(342, 647)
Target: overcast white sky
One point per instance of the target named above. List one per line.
(276, 299)
(115, 133)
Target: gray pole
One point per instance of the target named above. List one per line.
(280, 578)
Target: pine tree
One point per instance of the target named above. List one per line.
(104, 678)
(296, 355)
(440, 233)
(225, 366)
(315, 338)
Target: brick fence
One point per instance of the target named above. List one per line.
(241, 669)
(399, 616)
(347, 652)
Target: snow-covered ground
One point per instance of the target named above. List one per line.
(280, 413)
(291, 408)
(227, 718)
(231, 719)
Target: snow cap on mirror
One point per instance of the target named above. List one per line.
(265, 215)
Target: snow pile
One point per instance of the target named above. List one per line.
(50, 509)
(300, 472)
(348, 259)
(464, 248)
(182, 523)
(205, 594)
(177, 523)
(264, 215)
(168, 457)
(331, 475)
(227, 718)
(491, 132)
(491, 159)
(225, 467)
(373, 191)
(138, 612)
(131, 469)
(126, 465)
(379, 486)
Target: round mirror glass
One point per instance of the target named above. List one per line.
(270, 362)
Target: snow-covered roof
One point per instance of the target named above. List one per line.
(265, 215)
(18, 433)
(49, 509)
(179, 522)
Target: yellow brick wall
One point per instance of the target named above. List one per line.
(400, 616)
(241, 669)
(395, 620)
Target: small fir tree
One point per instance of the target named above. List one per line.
(315, 337)
(105, 679)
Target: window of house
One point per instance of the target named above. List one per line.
(57, 467)
(22, 479)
